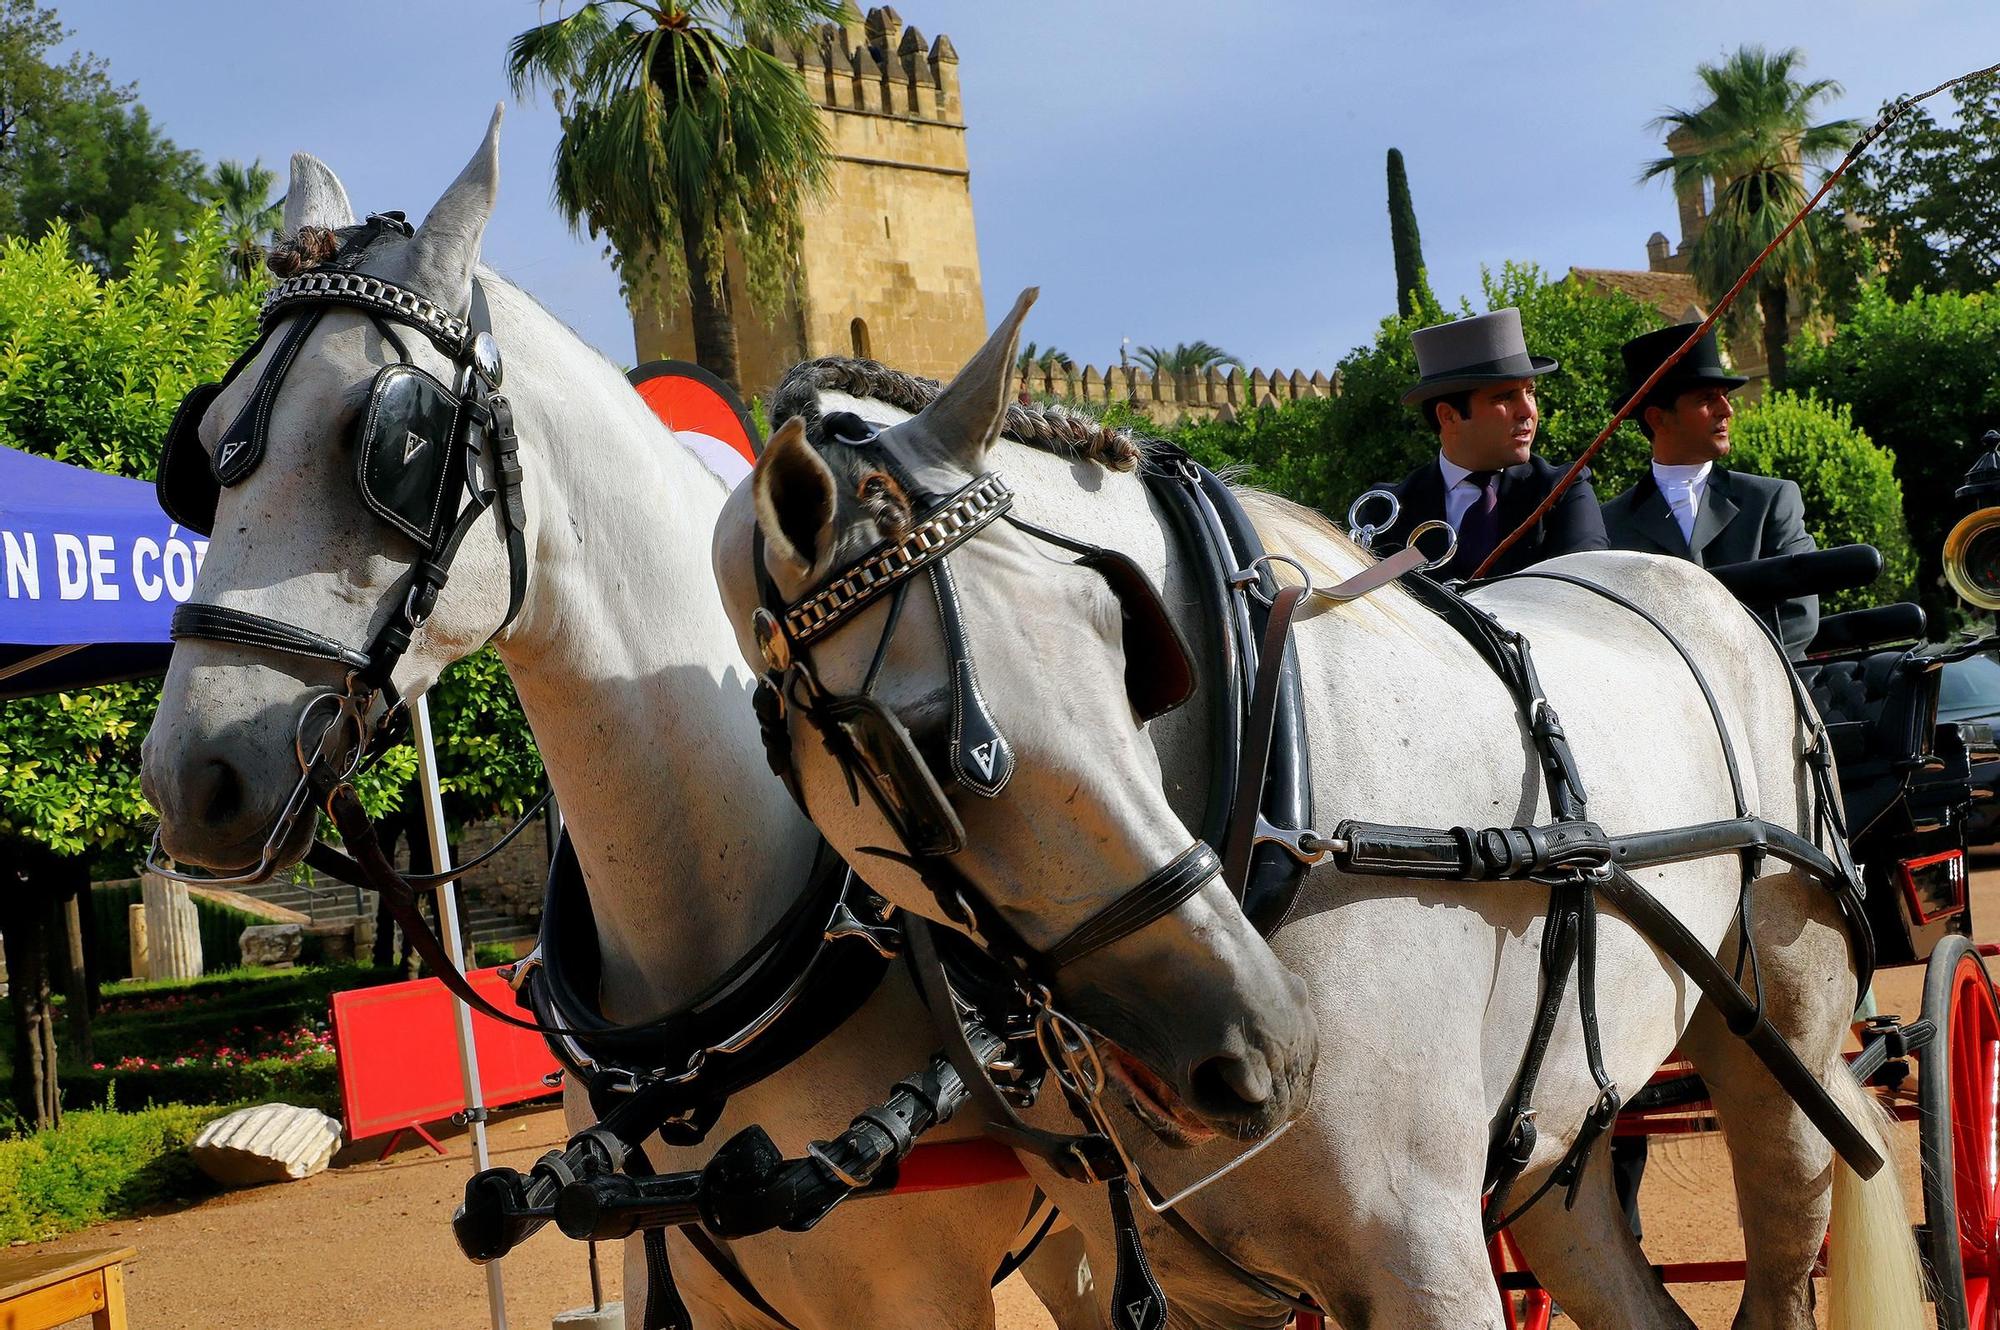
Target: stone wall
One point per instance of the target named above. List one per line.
(890, 262)
(1168, 398)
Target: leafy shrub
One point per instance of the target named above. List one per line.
(97, 1165)
(221, 929)
(1922, 377)
(1848, 483)
(486, 954)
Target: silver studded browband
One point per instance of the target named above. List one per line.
(957, 521)
(319, 287)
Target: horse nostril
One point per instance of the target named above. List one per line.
(225, 795)
(1231, 1087)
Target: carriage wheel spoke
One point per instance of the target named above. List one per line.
(1974, 1049)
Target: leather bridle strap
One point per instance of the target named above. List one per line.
(1082, 1158)
(1256, 758)
(1159, 895)
(203, 621)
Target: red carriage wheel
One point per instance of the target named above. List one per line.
(1958, 1092)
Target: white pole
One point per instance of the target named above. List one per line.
(447, 913)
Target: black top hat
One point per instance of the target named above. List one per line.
(1467, 353)
(1701, 367)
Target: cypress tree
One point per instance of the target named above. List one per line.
(1403, 236)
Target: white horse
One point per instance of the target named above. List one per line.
(1424, 990)
(630, 678)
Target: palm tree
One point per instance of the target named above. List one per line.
(1033, 358)
(679, 132)
(1196, 357)
(248, 214)
(1753, 141)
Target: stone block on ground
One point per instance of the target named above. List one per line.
(266, 1143)
(271, 944)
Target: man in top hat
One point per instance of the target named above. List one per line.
(1477, 393)
(1686, 505)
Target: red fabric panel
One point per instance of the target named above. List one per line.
(398, 1054)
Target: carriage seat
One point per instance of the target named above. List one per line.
(1879, 708)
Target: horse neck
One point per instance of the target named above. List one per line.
(631, 679)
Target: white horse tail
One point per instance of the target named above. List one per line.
(1874, 1280)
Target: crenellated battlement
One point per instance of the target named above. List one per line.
(875, 65)
(1165, 398)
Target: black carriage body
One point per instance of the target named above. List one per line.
(1905, 782)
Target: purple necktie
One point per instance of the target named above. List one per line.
(1479, 529)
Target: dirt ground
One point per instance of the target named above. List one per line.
(368, 1246)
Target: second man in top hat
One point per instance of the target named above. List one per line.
(1477, 392)
(1686, 505)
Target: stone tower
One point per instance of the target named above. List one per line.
(889, 266)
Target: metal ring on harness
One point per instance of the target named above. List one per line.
(1364, 533)
(1451, 545)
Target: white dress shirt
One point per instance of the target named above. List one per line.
(1460, 490)
(1682, 488)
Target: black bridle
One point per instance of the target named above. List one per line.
(417, 447)
(877, 753)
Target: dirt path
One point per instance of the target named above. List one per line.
(368, 1247)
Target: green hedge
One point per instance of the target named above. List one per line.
(97, 1166)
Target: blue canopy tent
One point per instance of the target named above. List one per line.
(90, 572)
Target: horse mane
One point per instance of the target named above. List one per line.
(308, 248)
(1058, 429)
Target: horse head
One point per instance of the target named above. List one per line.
(321, 521)
(986, 691)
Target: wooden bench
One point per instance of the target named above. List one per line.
(43, 1289)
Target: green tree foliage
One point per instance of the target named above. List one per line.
(247, 213)
(1919, 375)
(680, 133)
(1196, 357)
(1926, 196)
(1848, 483)
(91, 369)
(1750, 142)
(1404, 240)
(1033, 357)
(1325, 452)
(77, 149)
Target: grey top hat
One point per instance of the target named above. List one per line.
(1467, 353)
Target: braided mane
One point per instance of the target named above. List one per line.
(1056, 429)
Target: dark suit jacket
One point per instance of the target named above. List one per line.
(1575, 523)
(1742, 517)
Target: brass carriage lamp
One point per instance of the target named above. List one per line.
(1972, 550)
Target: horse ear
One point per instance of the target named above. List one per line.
(965, 419)
(795, 498)
(315, 197)
(446, 247)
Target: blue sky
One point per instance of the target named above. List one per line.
(1163, 170)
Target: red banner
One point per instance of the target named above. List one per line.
(398, 1052)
